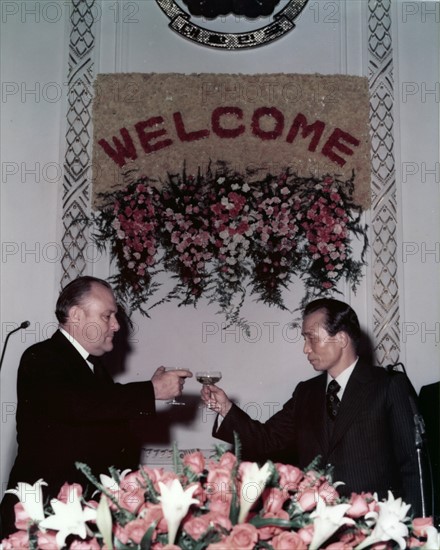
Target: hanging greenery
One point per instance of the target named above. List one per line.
(222, 235)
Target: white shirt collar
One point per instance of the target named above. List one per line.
(84, 353)
(343, 378)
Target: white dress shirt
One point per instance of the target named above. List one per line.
(343, 378)
(84, 353)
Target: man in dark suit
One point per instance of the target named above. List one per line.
(430, 408)
(69, 408)
(363, 428)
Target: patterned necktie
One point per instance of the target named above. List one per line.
(333, 399)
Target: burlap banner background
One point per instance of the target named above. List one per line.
(153, 124)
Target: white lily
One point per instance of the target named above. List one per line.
(175, 504)
(326, 521)
(109, 483)
(254, 479)
(389, 523)
(31, 497)
(104, 521)
(69, 517)
(433, 539)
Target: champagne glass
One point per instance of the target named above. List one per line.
(208, 377)
(173, 401)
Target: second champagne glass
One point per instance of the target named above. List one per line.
(208, 377)
(173, 401)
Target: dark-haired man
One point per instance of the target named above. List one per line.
(363, 427)
(69, 408)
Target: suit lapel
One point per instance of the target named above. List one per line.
(316, 412)
(73, 362)
(353, 401)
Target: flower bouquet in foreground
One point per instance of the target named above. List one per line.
(218, 504)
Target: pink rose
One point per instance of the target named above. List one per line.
(359, 506)
(132, 479)
(308, 499)
(195, 461)
(133, 531)
(220, 507)
(47, 540)
(306, 533)
(218, 545)
(152, 513)
(165, 476)
(274, 499)
(218, 484)
(199, 493)
(266, 533)
(310, 480)
(22, 519)
(85, 545)
(67, 489)
(288, 540)
(243, 537)
(149, 472)
(419, 526)
(196, 526)
(370, 501)
(290, 476)
(328, 493)
(130, 498)
(16, 541)
(219, 519)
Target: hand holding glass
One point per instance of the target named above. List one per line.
(208, 378)
(174, 401)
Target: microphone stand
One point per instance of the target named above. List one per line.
(24, 324)
(419, 432)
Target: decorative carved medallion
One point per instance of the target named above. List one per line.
(282, 21)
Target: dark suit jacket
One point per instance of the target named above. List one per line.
(430, 408)
(372, 445)
(66, 413)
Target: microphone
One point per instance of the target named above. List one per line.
(24, 324)
(392, 369)
(420, 430)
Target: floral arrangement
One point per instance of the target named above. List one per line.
(220, 504)
(221, 234)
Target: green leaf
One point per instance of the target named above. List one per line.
(145, 543)
(104, 521)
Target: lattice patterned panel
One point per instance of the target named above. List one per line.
(77, 180)
(384, 204)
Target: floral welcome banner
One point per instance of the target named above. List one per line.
(153, 124)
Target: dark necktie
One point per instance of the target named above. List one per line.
(98, 368)
(333, 399)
